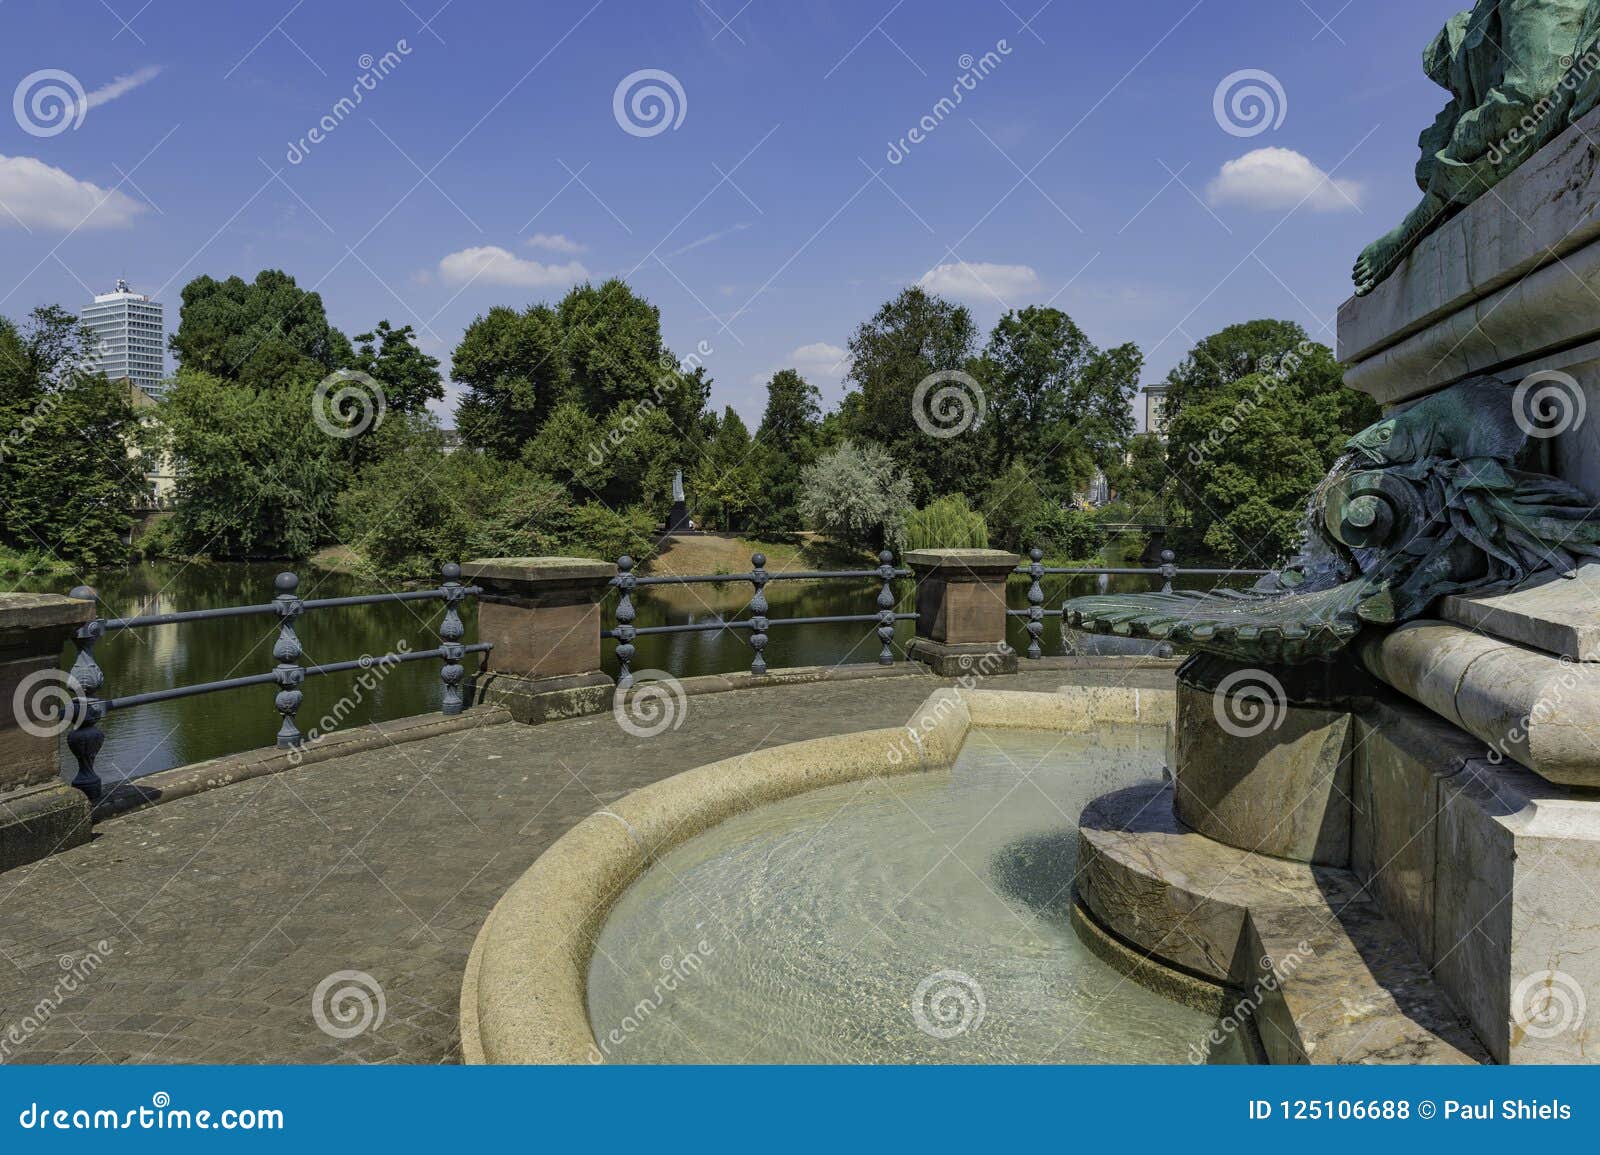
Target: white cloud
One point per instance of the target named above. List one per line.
(970, 280)
(492, 265)
(120, 86)
(820, 357)
(1280, 179)
(42, 196)
(555, 242)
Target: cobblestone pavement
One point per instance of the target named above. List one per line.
(199, 930)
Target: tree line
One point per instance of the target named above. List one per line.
(287, 435)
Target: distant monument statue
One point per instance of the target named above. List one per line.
(1519, 71)
(678, 519)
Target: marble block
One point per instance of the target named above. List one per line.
(1558, 615)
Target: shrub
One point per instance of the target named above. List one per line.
(857, 496)
(948, 523)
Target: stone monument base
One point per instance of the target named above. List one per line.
(40, 820)
(956, 660)
(535, 700)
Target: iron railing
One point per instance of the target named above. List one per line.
(86, 708)
(759, 624)
(1036, 570)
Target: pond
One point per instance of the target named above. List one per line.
(156, 737)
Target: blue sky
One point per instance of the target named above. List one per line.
(489, 166)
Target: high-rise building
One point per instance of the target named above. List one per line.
(130, 337)
(1155, 405)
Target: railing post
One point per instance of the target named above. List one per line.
(542, 615)
(1168, 570)
(1035, 603)
(39, 814)
(625, 617)
(86, 677)
(886, 608)
(287, 650)
(451, 631)
(758, 613)
(961, 610)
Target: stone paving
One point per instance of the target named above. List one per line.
(199, 930)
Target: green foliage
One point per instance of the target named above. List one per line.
(70, 445)
(948, 523)
(255, 476)
(611, 339)
(1055, 400)
(514, 372)
(410, 378)
(1245, 454)
(1022, 518)
(786, 443)
(1066, 534)
(858, 496)
(908, 339)
(266, 333)
(726, 481)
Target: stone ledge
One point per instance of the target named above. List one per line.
(1556, 615)
(183, 781)
(1334, 981)
(39, 821)
(42, 611)
(1525, 706)
(535, 569)
(1545, 210)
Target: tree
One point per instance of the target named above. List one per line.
(1055, 400)
(265, 333)
(612, 340)
(256, 477)
(905, 342)
(70, 444)
(786, 443)
(515, 374)
(1245, 455)
(726, 483)
(1228, 355)
(410, 377)
(858, 496)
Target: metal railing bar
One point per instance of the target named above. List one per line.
(378, 599)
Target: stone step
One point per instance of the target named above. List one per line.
(1327, 978)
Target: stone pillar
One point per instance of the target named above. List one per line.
(543, 616)
(961, 610)
(39, 814)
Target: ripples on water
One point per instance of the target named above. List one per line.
(821, 916)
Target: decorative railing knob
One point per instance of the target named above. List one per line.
(451, 631)
(886, 608)
(1035, 603)
(1168, 570)
(758, 614)
(86, 678)
(625, 615)
(287, 651)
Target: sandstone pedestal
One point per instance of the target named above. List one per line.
(38, 813)
(961, 611)
(543, 616)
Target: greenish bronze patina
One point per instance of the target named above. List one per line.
(1518, 72)
(1432, 501)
